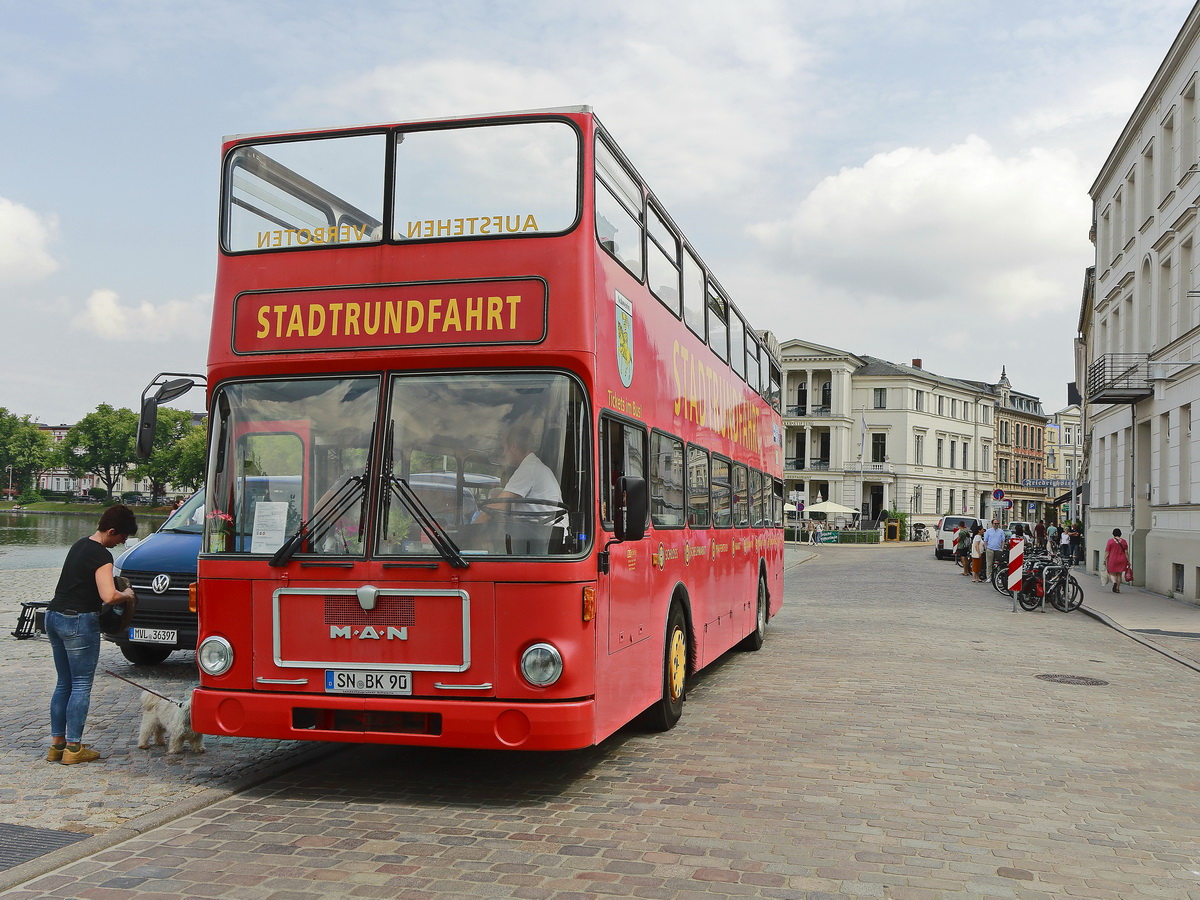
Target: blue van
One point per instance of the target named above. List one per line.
(161, 569)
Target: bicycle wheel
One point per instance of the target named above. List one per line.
(1056, 593)
(1029, 601)
(1000, 578)
(1074, 594)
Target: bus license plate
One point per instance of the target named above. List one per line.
(345, 681)
(153, 635)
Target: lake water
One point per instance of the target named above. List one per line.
(41, 540)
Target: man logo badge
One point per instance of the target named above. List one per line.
(161, 583)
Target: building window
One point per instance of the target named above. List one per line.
(920, 401)
(966, 455)
(941, 406)
(879, 448)
(939, 456)
(953, 446)
(919, 449)
(938, 500)
(880, 398)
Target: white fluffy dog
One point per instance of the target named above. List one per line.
(166, 717)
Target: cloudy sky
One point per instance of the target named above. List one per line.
(898, 178)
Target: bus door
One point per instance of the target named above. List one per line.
(627, 591)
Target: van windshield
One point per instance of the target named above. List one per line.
(189, 518)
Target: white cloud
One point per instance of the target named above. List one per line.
(24, 236)
(928, 227)
(107, 319)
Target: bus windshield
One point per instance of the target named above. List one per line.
(483, 181)
(499, 460)
(478, 464)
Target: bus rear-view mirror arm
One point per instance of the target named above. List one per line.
(164, 392)
(631, 503)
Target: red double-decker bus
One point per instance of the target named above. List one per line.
(493, 460)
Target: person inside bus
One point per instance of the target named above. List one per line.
(530, 477)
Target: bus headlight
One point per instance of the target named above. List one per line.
(214, 655)
(541, 665)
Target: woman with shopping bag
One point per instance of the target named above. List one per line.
(1115, 566)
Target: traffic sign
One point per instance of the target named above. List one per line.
(1008, 504)
(997, 494)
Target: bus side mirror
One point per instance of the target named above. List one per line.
(147, 421)
(633, 502)
(148, 415)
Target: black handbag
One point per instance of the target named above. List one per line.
(116, 618)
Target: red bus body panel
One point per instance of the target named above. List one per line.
(469, 627)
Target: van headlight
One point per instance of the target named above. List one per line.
(541, 665)
(214, 655)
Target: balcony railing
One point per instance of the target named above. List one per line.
(1119, 378)
(805, 412)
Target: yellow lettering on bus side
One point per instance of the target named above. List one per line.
(392, 323)
(335, 311)
(530, 224)
(451, 321)
(435, 311)
(415, 317)
(264, 239)
(368, 326)
(474, 314)
(414, 229)
(428, 228)
(316, 320)
(279, 311)
(513, 300)
(264, 322)
(675, 351)
(360, 232)
(494, 322)
(352, 311)
(295, 322)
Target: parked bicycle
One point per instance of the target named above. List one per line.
(1043, 578)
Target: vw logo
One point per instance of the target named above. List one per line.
(161, 583)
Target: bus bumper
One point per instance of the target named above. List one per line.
(483, 724)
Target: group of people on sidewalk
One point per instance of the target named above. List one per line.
(975, 549)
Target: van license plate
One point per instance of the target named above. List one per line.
(347, 681)
(153, 635)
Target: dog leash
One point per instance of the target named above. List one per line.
(143, 687)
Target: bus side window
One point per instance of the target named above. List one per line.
(722, 493)
(622, 452)
(743, 489)
(699, 501)
(666, 481)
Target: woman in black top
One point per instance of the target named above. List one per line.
(73, 627)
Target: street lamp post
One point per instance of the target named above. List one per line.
(9, 481)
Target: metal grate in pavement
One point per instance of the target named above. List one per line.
(20, 843)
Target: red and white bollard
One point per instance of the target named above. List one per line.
(1016, 565)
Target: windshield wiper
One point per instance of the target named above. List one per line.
(430, 526)
(335, 505)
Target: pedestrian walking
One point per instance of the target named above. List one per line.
(993, 543)
(85, 585)
(1039, 534)
(1116, 567)
(1076, 541)
(814, 535)
(962, 549)
(977, 550)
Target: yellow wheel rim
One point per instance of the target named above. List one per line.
(676, 663)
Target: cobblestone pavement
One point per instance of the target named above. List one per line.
(128, 783)
(891, 740)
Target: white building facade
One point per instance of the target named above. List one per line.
(874, 435)
(1140, 334)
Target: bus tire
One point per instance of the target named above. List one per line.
(666, 711)
(754, 640)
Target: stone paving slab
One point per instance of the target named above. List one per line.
(891, 740)
(127, 783)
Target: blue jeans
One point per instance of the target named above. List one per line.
(75, 641)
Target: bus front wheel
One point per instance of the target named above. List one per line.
(754, 640)
(666, 711)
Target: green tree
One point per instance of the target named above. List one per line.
(162, 466)
(25, 451)
(189, 471)
(101, 444)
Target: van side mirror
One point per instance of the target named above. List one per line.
(632, 504)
